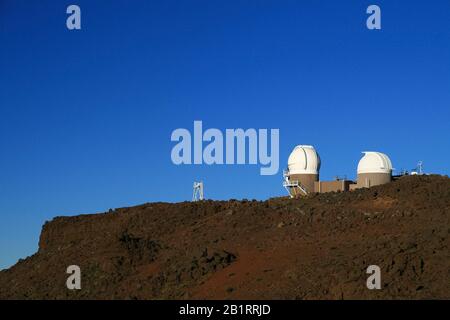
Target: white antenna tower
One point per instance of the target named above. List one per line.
(420, 167)
(198, 191)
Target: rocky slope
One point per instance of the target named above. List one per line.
(313, 248)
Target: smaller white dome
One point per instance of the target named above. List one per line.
(304, 160)
(374, 162)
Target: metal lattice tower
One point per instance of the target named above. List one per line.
(198, 191)
(420, 167)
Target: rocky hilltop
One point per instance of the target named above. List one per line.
(317, 247)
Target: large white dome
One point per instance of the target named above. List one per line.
(304, 160)
(374, 162)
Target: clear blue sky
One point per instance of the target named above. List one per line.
(86, 116)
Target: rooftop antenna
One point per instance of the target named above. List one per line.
(198, 191)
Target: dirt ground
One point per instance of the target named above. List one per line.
(317, 247)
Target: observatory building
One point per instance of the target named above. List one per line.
(303, 170)
(302, 175)
(374, 168)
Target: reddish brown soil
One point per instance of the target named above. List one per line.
(313, 248)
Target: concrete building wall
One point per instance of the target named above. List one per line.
(367, 180)
(330, 186)
(306, 180)
(312, 184)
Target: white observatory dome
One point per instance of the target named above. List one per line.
(304, 160)
(374, 162)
